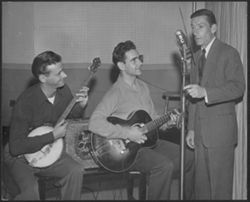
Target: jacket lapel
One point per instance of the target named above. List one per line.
(210, 62)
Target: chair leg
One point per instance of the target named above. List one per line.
(9, 183)
(58, 190)
(143, 187)
(130, 187)
(42, 188)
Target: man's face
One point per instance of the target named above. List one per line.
(55, 77)
(132, 63)
(202, 31)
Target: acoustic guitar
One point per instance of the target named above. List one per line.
(52, 152)
(118, 155)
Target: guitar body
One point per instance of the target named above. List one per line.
(118, 155)
(48, 154)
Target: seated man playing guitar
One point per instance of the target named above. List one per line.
(42, 104)
(129, 98)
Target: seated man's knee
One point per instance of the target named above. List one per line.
(28, 192)
(166, 166)
(77, 169)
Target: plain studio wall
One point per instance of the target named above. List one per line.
(81, 31)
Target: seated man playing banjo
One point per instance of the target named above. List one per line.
(129, 99)
(40, 105)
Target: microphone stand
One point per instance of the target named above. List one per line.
(183, 109)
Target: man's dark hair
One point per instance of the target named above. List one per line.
(120, 51)
(205, 12)
(41, 61)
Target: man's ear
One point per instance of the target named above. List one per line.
(214, 28)
(121, 65)
(42, 78)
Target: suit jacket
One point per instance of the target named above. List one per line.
(215, 122)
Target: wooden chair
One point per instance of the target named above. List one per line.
(142, 185)
(46, 183)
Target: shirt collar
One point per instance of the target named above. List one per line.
(120, 80)
(39, 95)
(209, 46)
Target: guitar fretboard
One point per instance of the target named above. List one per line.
(157, 122)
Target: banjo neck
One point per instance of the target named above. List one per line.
(95, 64)
(73, 101)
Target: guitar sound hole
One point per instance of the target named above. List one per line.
(80, 145)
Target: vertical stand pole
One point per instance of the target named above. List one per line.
(183, 101)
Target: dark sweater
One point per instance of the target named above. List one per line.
(32, 110)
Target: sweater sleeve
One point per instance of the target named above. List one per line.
(19, 142)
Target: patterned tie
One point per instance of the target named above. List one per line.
(201, 63)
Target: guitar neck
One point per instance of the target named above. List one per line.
(73, 101)
(157, 122)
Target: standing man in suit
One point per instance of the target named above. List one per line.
(212, 124)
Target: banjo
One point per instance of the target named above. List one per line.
(52, 152)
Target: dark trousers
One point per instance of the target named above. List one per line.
(162, 164)
(214, 172)
(69, 172)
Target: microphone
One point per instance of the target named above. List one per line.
(183, 45)
(181, 38)
(185, 50)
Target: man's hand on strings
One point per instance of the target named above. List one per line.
(174, 119)
(82, 96)
(59, 130)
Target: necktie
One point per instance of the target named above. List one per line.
(201, 63)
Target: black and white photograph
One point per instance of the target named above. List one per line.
(124, 100)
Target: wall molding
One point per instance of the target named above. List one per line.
(106, 66)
